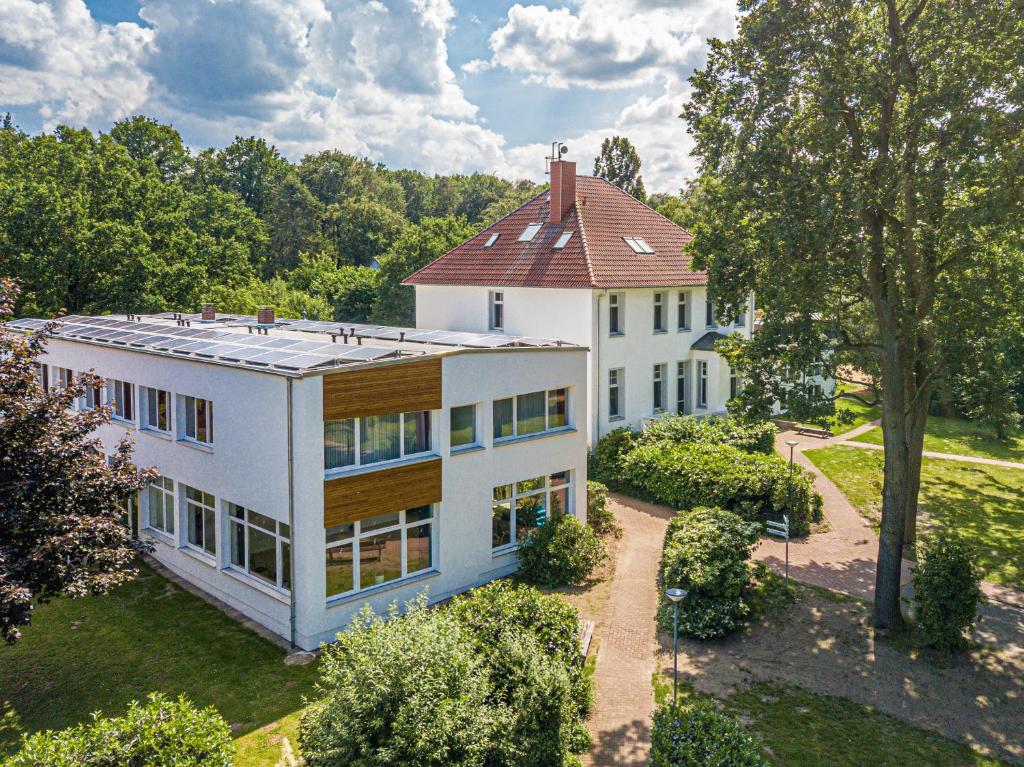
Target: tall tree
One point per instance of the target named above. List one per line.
(249, 167)
(619, 163)
(361, 230)
(149, 141)
(859, 157)
(61, 502)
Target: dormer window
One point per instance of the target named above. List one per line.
(530, 232)
(491, 240)
(638, 245)
(563, 240)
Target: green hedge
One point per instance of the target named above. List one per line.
(755, 437)
(561, 552)
(699, 736)
(755, 486)
(599, 516)
(158, 733)
(947, 592)
(705, 552)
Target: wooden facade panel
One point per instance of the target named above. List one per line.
(372, 493)
(379, 390)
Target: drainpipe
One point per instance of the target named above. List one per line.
(596, 389)
(291, 521)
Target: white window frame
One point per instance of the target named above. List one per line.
(475, 442)
(683, 310)
(190, 405)
(211, 508)
(530, 232)
(617, 301)
(514, 495)
(710, 318)
(491, 240)
(616, 382)
(682, 382)
(43, 376)
(658, 388)
(548, 428)
(358, 535)
(659, 318)
(702, 384)
(496, 307)
(282, 541)
(165, 487)
(116, 400)
(357, 432)
(145, 392)
(563, 240)
(735, 384)
(92, 397)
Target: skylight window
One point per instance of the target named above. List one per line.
(491, 240)
(638, 245)
(563, 240)
(530, 232)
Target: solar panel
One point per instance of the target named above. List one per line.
(282, 343)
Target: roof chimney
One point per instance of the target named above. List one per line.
(209, 313)
(563, 189)
(265, 316)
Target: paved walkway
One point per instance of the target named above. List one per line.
(945, 456)
(627, 639)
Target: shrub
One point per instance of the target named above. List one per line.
(603, 462)
(562, 551)
(699, 736)
(750, 437)
(706, 552)
(947, 592)
(158, 733)
(755, 486)
(599, 516)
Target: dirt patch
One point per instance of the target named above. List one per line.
(826, 646)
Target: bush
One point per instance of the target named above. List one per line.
(750, 437)
(755, 486)
(947, 592)
(562, 551)
(158, 733)
(603, 462)
(706, 552)
(699, 736)
(599, 516)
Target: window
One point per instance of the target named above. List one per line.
(199, 420)
(160, 497)
(43, 376)
(616, 384)
(702, 383)
(530, 232)
(121, 396)
(259, 545)
(710, 312)
(91, 398)
(659, 313)
(616, 314)
(379, 550)
(563, 240)
(682, 387)
(638, 245)
(156, 409)
(683, 311)
(741, 320)
(462, 426)
(201, 516)
(659, 388)
(350, 442)
(491, 240)
(735, 384)
(531, 413)
(521, 507)
(815, 370)
(63, 377)
(497, 310)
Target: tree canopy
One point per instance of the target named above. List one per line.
(619, 163)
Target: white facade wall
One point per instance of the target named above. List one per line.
(581, 317)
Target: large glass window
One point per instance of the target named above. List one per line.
(379, 550)
(659, 388)
(520, 508)
(379, 438)
(160, 497)
(202, 520)
(702, 383)
(462, 426)
(121, 396)
(616, 314)
(531, 413)
(156, 409)
(199, 420)
(616, 385)
(259, 545)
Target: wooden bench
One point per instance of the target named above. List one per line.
(813, 432)
(585, 631)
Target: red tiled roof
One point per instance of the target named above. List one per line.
(596, 255)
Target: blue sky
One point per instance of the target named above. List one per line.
(439, 85)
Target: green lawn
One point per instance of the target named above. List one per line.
(960, 437)
(859, 412)
(99, 653)
(985, 504)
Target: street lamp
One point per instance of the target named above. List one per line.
(675, 596)
(789, 495)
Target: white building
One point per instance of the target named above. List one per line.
(308, 468)
(587, 263)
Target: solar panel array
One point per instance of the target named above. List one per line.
(260, 352)
(416, 335)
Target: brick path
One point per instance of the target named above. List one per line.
(626, 633)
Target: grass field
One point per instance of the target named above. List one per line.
(99, 653)
(859, 413)
(984, 504)
(960, 437)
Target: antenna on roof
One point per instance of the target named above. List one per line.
(557, 150)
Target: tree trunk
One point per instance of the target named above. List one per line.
(917, 420)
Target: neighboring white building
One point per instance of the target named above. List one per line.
(587, 263)
(308, 468)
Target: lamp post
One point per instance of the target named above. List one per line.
(789, 495)
(675, 596)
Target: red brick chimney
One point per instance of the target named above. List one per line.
(563, 189)
(265, 316)
(209, 313)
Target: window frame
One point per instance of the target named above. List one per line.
(548, 429)
(115, 399)
(683, 310)
(167, 488)
(145, 393)
(735, 384)
(357, 438)
(659, 318)
(514, 495)
(533, 229)
(616, 382)
(617, 303)
(658, 388)
(187, 502)
(496, 310)
(702, 384)
(193, 410)
(682, 386)
(282, 543)
(475, 441)
(358, 534)
(710, 315)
